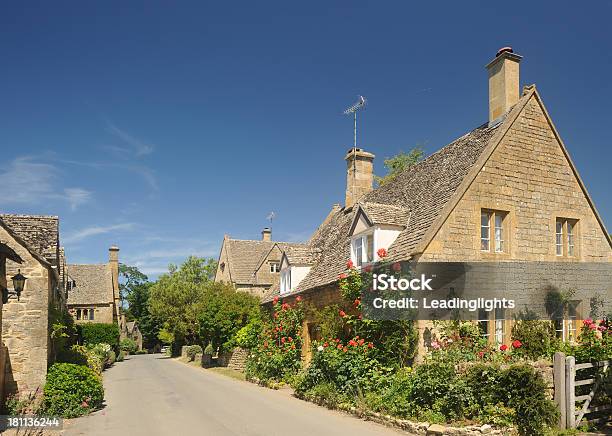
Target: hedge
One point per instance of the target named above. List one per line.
(72, 390)
(98, 333)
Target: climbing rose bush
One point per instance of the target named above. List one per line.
(277, 355)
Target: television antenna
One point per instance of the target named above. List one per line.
(360, 104)
(270, 218)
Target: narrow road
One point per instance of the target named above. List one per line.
(153, 395)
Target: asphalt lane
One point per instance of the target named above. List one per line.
(153, 395)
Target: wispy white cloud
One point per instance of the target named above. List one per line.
(137, 146)
(88, 232)
(28, 180)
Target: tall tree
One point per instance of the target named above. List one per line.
(177, 298)
(398, 163)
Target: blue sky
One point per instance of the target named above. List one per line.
(161, 126)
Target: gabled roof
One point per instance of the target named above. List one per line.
(40, 232)
(94, 284)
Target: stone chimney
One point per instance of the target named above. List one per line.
(503, 83)
(359, 175)
(266, 234)
(113, 261)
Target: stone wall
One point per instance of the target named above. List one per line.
(529, 177)
(25, 324)
(238, 359)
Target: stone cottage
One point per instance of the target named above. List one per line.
(93, 291)
(133, 332)
(506, 190)
(251, 266)
(27, 322)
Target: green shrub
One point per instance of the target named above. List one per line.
(209, 350)
(112, 357)
(324, 394)
(30, 403)
(93, 360)
(141, 352)
(248, 335)
(352, 367)
(128, 345)
(537, 338)
(96, 333)
(120, 356)
(192, 350)
(72, 390)
(75, 354)
(524, 390)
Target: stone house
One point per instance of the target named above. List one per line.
(26, 323)
(251, 266)
(93, 291)
(505, 191)
(133, 332)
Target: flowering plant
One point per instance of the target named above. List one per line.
(278, 352)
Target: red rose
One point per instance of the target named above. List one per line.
(283, 339)
(275, 300)
(517, 344)
(293, 346)
(275, 315)
(342, 276)
(285, 306)
(359, 316)
(382, 253)
(481, 354)
(326, 345)
(344, 349)
(342, 314)
(339, 347)
(370, 345)
(298, 298)
(504, 347)
(361, 341)
(349, 264)
(356, 303)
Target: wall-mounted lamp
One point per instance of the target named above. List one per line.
(18, 285)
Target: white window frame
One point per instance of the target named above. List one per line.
(359, 246)
(565, 237)
(494, 240)
(486, 240)
(274, 267)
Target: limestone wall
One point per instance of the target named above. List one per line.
(25, 326)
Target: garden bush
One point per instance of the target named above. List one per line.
(277, 356)
(120, 356)
(209, 350)
(96, 333)
(72, 390)
(538, 338)
(76, 354)
(192, 350)
(93, 360)
(350, 367)
(128, 345)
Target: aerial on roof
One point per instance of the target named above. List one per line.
(40, 232)
(94, 284)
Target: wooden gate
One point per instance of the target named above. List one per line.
(568, 376)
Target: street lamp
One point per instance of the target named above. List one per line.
(18, 285)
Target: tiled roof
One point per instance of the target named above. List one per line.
(299, 254)
(244, 256)
(415, 198)
(94, 284)
(40, 232)
(380, 213)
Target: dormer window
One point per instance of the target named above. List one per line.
(274, 267)
(363, 249)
